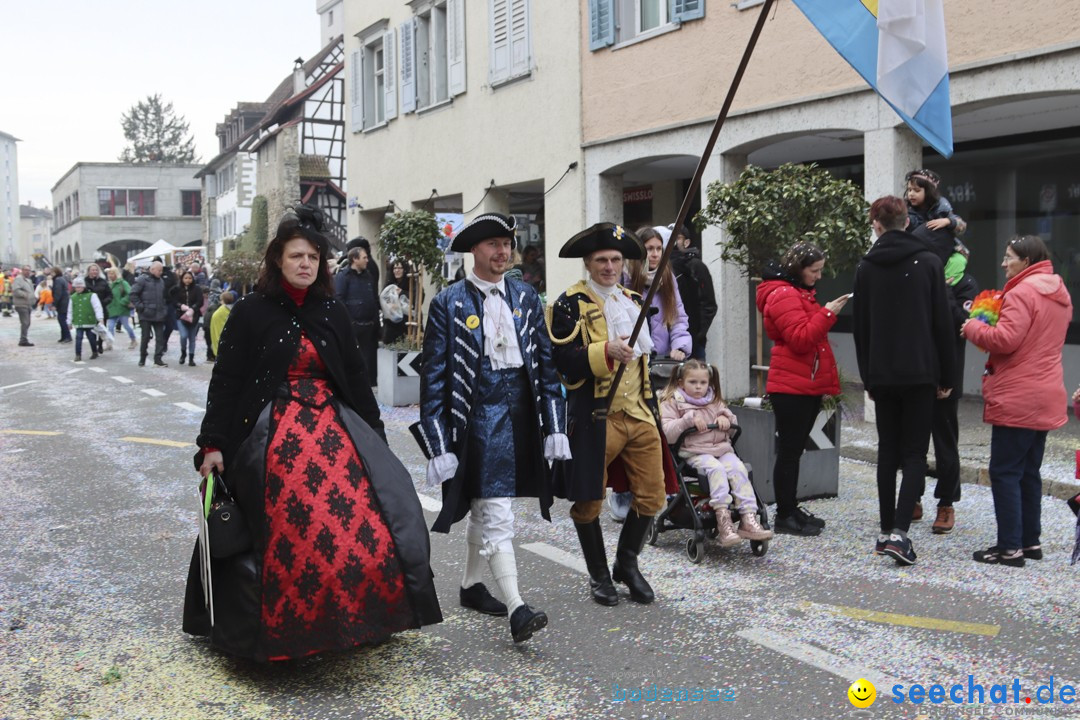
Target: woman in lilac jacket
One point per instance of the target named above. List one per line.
(668, 324)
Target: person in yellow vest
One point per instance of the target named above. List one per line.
(85, 314)
(217, 320)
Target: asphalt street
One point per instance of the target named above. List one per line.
(97, 518)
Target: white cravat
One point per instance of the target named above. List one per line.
(621, 313)
(500, 332)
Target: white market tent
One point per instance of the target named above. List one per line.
(160, 248)
(166, 252)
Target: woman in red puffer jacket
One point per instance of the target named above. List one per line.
(802, 369)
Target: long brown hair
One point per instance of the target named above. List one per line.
(676, 379)
(305, 221)
(639, 276)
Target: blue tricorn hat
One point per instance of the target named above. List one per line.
(485, 227)
(603, 236)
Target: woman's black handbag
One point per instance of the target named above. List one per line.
(225, 524)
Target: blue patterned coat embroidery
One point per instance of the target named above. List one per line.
(452, 371)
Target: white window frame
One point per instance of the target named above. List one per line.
(438, 63)
(638, 11)
(371, 81)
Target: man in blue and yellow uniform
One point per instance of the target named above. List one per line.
(492, 413)
(590, 326)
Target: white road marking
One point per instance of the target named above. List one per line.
(429, 503)
(74, 370)
(553, 553)
(817, 657)
(188, 406)
(153, 393)
(98, 370)
(122, 379)
(12, 452)
(28, 382)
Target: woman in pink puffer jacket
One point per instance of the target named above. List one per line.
(1023, 394)
(692, 399)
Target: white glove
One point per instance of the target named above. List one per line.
(440, 469)
(556, 447)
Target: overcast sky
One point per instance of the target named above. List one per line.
(70, 68)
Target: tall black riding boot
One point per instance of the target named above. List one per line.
(592, 546)
(625, 570)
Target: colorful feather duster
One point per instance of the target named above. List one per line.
(987, 306)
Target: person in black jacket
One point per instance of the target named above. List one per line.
(340, 555)
(99, 285)
(188, 307)
(695, 288)
(946, 427)
(356, 288)
(905, 346)
(61, 294)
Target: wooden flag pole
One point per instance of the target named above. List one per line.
(688, 199)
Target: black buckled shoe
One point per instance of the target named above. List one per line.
(525, 621)
(476, 597)
(625, 570)
(591, 538)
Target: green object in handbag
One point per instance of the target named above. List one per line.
(225, 523)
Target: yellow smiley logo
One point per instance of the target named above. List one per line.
(472, 322)
(862, 693)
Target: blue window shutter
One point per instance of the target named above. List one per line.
(683, 10)
(601, 23)
(407, 62)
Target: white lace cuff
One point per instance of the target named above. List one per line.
(440, 469)
(556, 447)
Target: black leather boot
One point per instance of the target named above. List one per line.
(592, 546)
(625, 570)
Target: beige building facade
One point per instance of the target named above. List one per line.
(1016, 123)
(463, 107)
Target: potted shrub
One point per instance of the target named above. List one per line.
(411, 236)
(765, 212)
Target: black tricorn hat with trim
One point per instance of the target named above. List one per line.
(603, 236)
(484, 227)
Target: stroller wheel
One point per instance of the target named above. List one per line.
(654, 531)
(695, 550)
(759, 547)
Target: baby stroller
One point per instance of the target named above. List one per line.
(689, 509)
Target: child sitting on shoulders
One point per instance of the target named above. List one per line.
(926, 206)
(692, 399)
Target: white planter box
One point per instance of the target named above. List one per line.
(399, 377)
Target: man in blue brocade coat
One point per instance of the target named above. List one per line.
(492, 413)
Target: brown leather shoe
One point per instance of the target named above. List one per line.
(916, 515)
(946, 519)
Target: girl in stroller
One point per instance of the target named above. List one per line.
(692, 399)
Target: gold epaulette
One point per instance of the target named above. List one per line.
(548, 312)
(571, 386)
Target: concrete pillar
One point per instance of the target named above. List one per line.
(564, 217)
(889, 155)
(728, 343)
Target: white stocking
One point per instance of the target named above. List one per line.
(474, 568)
(504, 568)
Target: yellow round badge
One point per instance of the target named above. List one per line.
(862, 693)
(472, 322)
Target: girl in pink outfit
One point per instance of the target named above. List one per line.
(692, 399)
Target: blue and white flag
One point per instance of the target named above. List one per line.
(898, 46)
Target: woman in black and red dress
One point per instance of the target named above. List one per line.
(340, 551)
